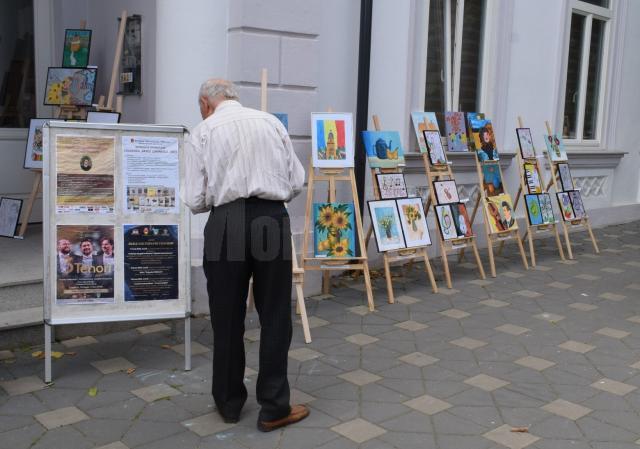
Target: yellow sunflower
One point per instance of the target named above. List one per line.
(340, 220)
(326, 216)
(341, 248)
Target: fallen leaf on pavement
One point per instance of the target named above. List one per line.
(165, 346)
(520, 429)
(57, 354)
(131, 370)
(37, 354)
(93, 392)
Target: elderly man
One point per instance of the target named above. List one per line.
(241, 166)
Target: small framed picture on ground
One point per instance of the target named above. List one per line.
(103, 117)
(10, 209)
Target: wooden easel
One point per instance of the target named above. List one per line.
(567, 225)
(493, 237)
(533, 229)
(298, 273)
(108, 107)
(327, 264)
(443, 172)
(400, 255)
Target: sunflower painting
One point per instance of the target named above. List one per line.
(333, 229)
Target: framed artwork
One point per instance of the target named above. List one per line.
(391, 185)
(332, 139)
(469, 117)
(532, 177)
(424, 121)
(492, 179)
(34, 152)
(525, 141)
(333, 230)
(546, 209)
(456, 131)
(383, 148)
(484, 140)
(77, 44)
(500, 213)
(534, 211)
(103, 117)
(555, 148)
(67, 86)
(386, 225)
(461, 220)
(434, 147)
(566, 209)
(414, 222)
(131, 58)
(578, 205)
(10, 209)
(565, 177)
(284, 119)
(446, 192)
(446, 222)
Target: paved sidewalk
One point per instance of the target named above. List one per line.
(553, 352)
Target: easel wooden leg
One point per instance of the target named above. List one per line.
(474, 246)
(427, 267)
(471, 220)
(492, 262)
(558, 241)
(567, 240)
(300, 305)
(367, 284)
(387, 275)
(37, 181)
(593, 237)
(326, 282)
(532, 252)
(521, 248)
(445, 266)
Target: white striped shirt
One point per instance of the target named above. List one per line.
(239, 152)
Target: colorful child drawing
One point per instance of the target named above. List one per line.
(456, 131)
(424, 121)
(334, 229)
(383, 148)
(70, 86)
(331, 140)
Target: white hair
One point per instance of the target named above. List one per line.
(213, 88)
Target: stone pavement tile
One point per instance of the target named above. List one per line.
(481, 282)
(127, 409)
(300, 397)
(535, 363)
(376, 413)
(587, 277)
(576, 346)
(406, 300)
(596, 430)
(559, 285)
(23, 405)
(359, 430)
(613, 333)
(114, 445)
(315, 322)
(185, 439)
(419, 359)
(613, 386)
(567, 409)
(512, 275)
(143, 432)
(252, 335)
(485, 416)
(612, 296)
(583, 306)
(22, 385)
(359, 310)
(463, 442)
(486, 383)
(512, 329)
(55, 397)
(6, 355)
(79, 341)
(206, 425)
(542, 268)
(448, 291)
(103, 431)
(528, 294)
(63, 437)
(633, 286)
(360, 377)
(155, 392)
(633, 263)
(494, 303)
(112, 365)
(551, 317)
(567, 262)
(322, 296)
(427, 404)
(61, 417)
(612, 270)
(196, 348)
(361, 339)
(455, 313)
(634, 319)
(304, 354)
(152, 328)
(468, 343)
(411, 326)
(513, 440)
(15, 422)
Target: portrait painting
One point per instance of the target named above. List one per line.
(469, 118)
(67, 86)
(566, 208)
(383, 148)
(391, 185)
(77, 44)
(534, 211)
(484, 140)
(386, 225)
(525, 141)
(446, 222)
(456, 131)
(437, 155)
(500, 213)
(333, 230)
(532, 177)
(492, 179)
(414, 222)
(461, 220)
(424, 121)
(446, 192)
(555, 148)
(332, 140)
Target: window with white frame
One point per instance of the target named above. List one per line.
(454, 56)
(585, 74)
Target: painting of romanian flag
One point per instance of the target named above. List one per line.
(332, 140)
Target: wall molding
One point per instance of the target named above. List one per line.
(593, 159)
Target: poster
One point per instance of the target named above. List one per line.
(151, 174)
(150, 262)
(85, 170)
(85, 264)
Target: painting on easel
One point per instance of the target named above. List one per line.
(334, 234)
(500, 213)
(484, 140)
(383, 148)
(534, 211)
(70, 87)
(525, 141)
(546, 209)
(456, 131)
(414, 223)
(578, 205)
(566, 208)
(386, 225)
(437, 155)
(555, 148)
(424, 121)
(34, 153)
(461, 220)
(332, 140)
(445, 222)
(492, 180)
(77, 44)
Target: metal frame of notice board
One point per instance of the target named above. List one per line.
(67, 301)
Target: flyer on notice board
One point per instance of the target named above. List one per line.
(150, 262)
(151, 174)
(85, 173)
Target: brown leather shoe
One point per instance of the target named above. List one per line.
(298, 413)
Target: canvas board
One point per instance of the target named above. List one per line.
(555, 148)
(34, 151)
(77, 44)
(70, 86)
(484, 139)
(492, 179)
(332, 140)
(566, 208)
(525, 141)
(456, 130)
(566, 180)
(334, 230)
(578, 205)
(546, 208)
(499, 211)
(532, 178)
(383, 148)
(446, 192)
(391, 185)
(103, 117)
(446, 222)
(387, 228)
(424, 121)
(534, 210)
(414, 222)
(461, 220)
(10, 209)
(435, 149)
